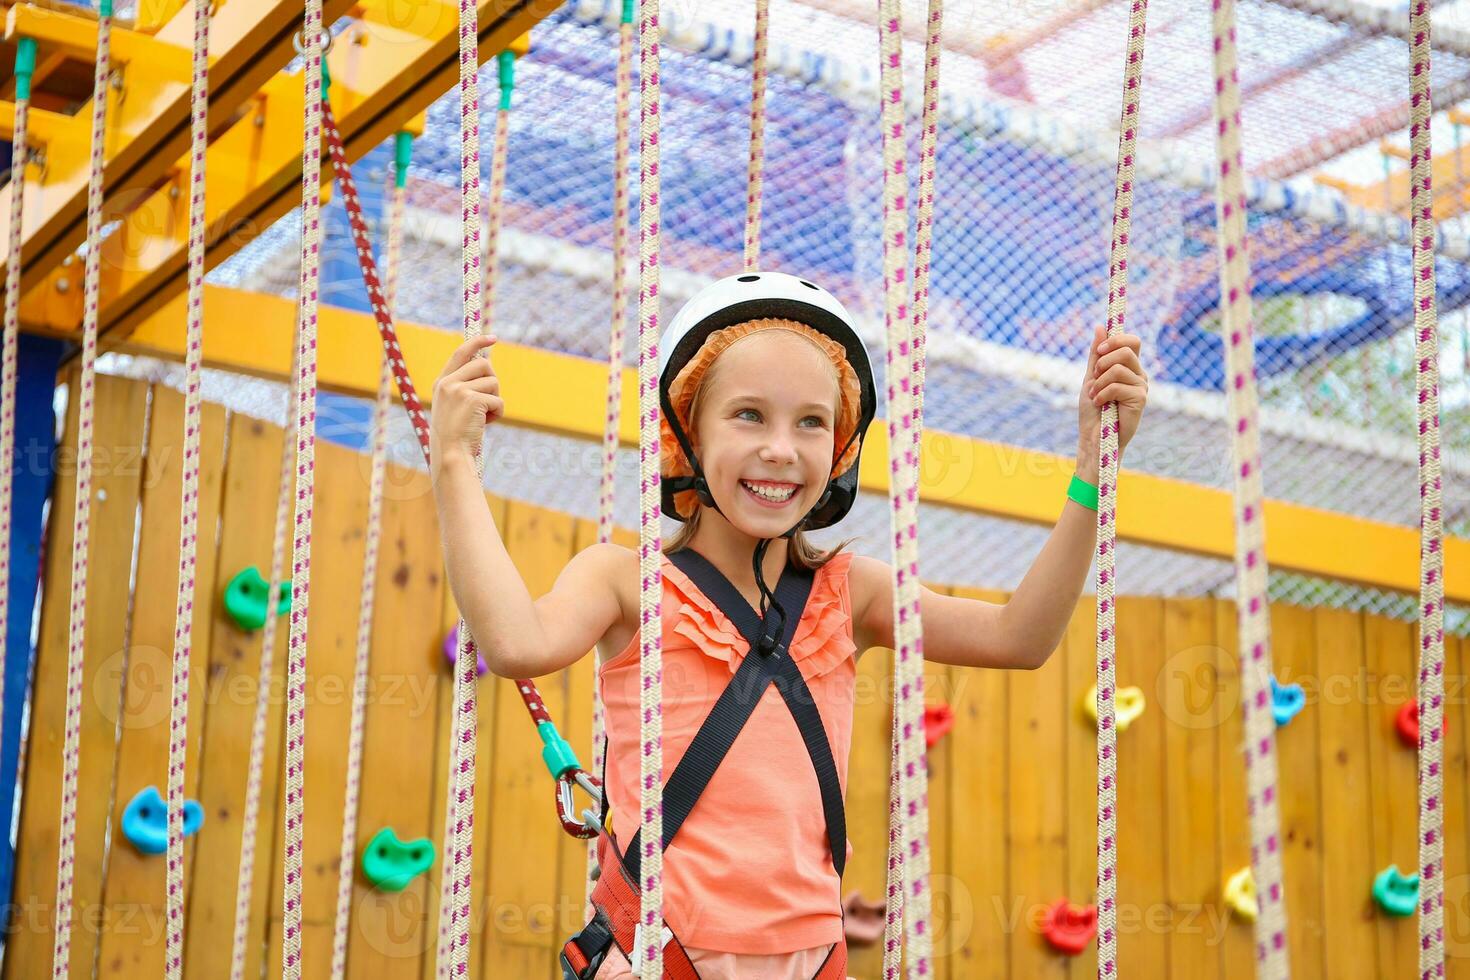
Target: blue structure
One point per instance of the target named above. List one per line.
(32, 473)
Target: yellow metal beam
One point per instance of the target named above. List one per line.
(1451, 191)
(385, 71)
(970, 474)
(148, 131)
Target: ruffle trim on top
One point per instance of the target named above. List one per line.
(822, 640)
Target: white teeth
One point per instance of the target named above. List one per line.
(775, 496)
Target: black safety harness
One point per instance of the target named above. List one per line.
(615, 898)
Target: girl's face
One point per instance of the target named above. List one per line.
(765, 428)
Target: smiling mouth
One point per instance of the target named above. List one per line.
(771, 494)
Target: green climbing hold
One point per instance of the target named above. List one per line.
(245, 599)
(390, 864)
(1395, 892)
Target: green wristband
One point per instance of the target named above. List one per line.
(1082, 492)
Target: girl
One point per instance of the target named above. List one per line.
(767, 392)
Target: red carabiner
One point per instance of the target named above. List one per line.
(588, 825)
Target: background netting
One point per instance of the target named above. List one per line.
(1025, 170)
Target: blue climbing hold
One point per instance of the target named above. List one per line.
(1287, 701)
(145, 821)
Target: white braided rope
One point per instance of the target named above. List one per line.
(1250, 533)
(9, 371)
(82, 522)
(909, 853)
(650, 537)
(178, 743)
(305, 481)
(463, 747)
(617, 340)
(1431, 529)
(347, 856)
(933, 48)
(500, 149)
(756, 164)
(1107, 498)
(250, 817)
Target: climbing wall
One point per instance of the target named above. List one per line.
(1011, 795)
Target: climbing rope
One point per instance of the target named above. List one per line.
(25, 62)
(305, 474)
(922, 247)
(1431, 529)
(178, 743)
(346, 864)
(1250, 533)
(756, 164)
(499, 151)
(908, 853)
(530, 696)
(462, 748)
(608, 486)
(250, 818)
(650, 538)
(86, 410)
(1107, 733)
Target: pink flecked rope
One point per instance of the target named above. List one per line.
(650, 543)
(178, 742)
(1250, 558)
(250, 817)
(9, 359)
(756, 163)
(1431, 529)
(305, 480)
(463, 745)
(608, 487)
(909, 851)
(347, 856)
(500, 149)
(82, 522)
(898, 866)
(1107, 733)
(9, 366)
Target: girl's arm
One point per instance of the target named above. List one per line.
(517, 636)
(1024, 631)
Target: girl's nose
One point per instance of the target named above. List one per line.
(779, 450)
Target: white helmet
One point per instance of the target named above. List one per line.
(754, 296)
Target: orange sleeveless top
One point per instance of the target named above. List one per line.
(750, 870)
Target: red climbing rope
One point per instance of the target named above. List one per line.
(532, 698)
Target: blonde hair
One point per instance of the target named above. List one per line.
(800, 552)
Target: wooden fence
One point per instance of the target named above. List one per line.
(1011, 793)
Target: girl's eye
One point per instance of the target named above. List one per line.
(748, 411)
(815, 418)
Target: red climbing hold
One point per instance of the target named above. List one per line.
(1407, 722)
(1069, 928)
(938, 720)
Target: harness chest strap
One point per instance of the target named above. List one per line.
(615, 897)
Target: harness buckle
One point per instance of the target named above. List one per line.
(589, 948)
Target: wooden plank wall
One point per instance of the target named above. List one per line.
(1012, 795)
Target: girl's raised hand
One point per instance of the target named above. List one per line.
(1114, 374)
(466, 399)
